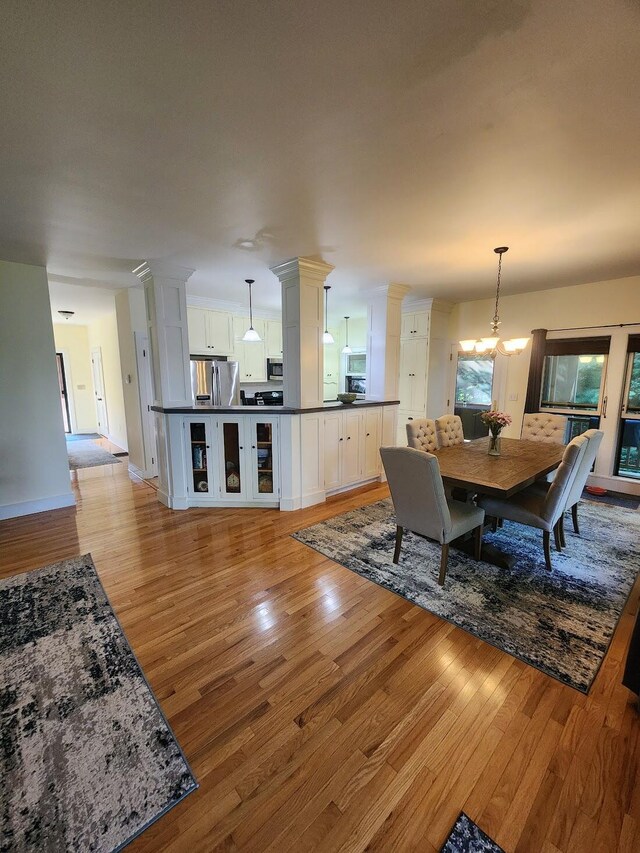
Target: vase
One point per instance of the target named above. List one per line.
(494, 444)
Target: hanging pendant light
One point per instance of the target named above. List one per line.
(491, 346)
(250, 334)
(327, 337)
(346, 348)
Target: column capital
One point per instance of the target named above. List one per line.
(295, 267)
(162, 269)
(391, 291)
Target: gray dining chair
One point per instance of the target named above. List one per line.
(421, 505)
(594, 439)
(449, 430)
(545, 427)
(421, 434)
(538, 508)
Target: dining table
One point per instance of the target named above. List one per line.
(469, 467)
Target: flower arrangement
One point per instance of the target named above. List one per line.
(496, 421)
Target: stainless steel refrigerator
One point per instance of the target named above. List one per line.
(215, 383)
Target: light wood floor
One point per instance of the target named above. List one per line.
(320, 712)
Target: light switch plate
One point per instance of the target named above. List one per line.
(513, 398)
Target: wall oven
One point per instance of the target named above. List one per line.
(355, 385)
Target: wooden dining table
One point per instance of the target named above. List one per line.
(468, 466)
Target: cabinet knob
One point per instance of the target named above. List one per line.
(348, 438)
(241, 447)
(368, 434)
(341, 439)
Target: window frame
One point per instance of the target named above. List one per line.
(600, 346)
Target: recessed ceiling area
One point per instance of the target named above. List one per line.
(398, 141)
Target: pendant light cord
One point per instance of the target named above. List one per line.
(496, 317)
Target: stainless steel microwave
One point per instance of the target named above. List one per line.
(355, 385)
(274, 368)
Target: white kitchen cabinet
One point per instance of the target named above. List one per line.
(413, 374)
(210, 332)
(249, 458)
(351, 446)
(252, 361)
(273, 338)
(414, 325)
(241, 324)
(264, 457)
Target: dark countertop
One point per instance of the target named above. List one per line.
(272, 410)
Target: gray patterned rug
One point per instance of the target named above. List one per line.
(560, 622)
(467, 837)
(87, 454)
(87, 759)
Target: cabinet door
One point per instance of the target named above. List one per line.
(197, 326)
(421, 324)
(333, 441)
(263, 457)
(219, 332)
(406, 326)
(405, 386)
(372, 428)
(419, 378)
(351, 447)
(273, 338)
(199, 456)
(330, 390)
(231, 441)
(253, 363)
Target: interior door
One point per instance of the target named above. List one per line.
(98, 389)
(64, 398)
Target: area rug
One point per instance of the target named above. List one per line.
(87, 454)
(87, 759)
(82, 436)
(628, 501)
(467, 837)
(560, 622)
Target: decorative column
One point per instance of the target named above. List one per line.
(302, 281)
(383, 350)
(165, 293)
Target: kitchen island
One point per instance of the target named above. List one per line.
(269, 456)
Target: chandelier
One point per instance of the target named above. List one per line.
(493, 345)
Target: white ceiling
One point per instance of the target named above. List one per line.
(400, 141)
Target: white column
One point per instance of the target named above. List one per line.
(383, 349)
(165, 294)
(302, 281)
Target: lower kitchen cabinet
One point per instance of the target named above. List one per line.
(351, 447)
(232, 459)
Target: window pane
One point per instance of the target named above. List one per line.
(474, 380)
(572, 381)
(629, 459)
(633, 402)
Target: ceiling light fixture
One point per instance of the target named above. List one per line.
(251, 334)
(493, 345)
(67, 314)
(327, 337)
(346, 348)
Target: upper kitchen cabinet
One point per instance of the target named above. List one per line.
(241, 324)
(273, 338)
(210, 332)
(415, 325)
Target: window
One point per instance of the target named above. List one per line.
(573, 374)
(474, 384)
(628, 459)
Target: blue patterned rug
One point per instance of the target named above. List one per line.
(559, 622)
(87, 759)
(467, 837)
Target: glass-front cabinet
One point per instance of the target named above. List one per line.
(232, 458)
(200, 462)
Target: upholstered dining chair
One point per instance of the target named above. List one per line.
(421, 505)
(449, 430)
(543, 426)
(594, 439)
(421, 434)
(542, 509)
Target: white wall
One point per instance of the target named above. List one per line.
(103, 333)
(34, 474)
(73, 342)
(597, 304)
(126, 317)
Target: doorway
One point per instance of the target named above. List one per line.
(473, 392)
(98, 388)
(145, 391)
(64, 396)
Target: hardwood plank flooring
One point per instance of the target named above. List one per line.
(320, 712)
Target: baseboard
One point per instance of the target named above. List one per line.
(615, 484)
(290, 504)
(352, 486)
(140, 473)
(313, 499)
(41, 505)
